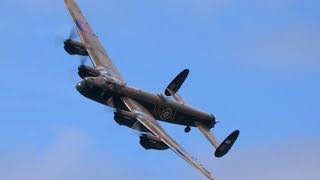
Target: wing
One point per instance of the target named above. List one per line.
(103, 63)
(97, 53)
(143, 116)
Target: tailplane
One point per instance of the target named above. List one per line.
(223, 148)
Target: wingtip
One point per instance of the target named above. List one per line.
(68, 1)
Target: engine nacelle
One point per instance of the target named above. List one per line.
(87, 71)
(152, 142)
(75, 48)
(129, 122)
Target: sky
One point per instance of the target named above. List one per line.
(253, 64)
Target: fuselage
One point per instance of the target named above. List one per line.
(161, 107)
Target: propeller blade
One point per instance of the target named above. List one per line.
(62, 37)
(109, 110)
(83, 60)
(73, 33)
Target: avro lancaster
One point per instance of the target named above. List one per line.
(135, 108)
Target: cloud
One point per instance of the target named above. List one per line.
(295, 161)
(72, 157)
(69, 157)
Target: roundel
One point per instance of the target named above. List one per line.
(166, 113)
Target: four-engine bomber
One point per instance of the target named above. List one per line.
(135, 108)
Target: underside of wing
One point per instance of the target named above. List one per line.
(95, 50)
(144, 117)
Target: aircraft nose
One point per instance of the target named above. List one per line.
(90, 84)
(84, 85)
(80, 87)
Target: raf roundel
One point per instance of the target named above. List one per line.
(166, 113)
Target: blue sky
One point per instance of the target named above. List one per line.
(255, 65)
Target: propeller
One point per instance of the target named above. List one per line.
(115, 102)
(62, 37)
(83, 60)
(137, 133)
(117, 108)
(60, 41)
(73, 33)
(72, 36)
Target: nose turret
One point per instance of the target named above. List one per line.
(90, 85)
(81, 87)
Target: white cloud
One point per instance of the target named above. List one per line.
(71, 157)
(68, 158)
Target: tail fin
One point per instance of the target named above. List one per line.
(226, 145)
(176, 83)
(223, 148)
(174, 86)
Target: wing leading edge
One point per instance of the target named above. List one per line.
(97, 53)
(143, 116)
